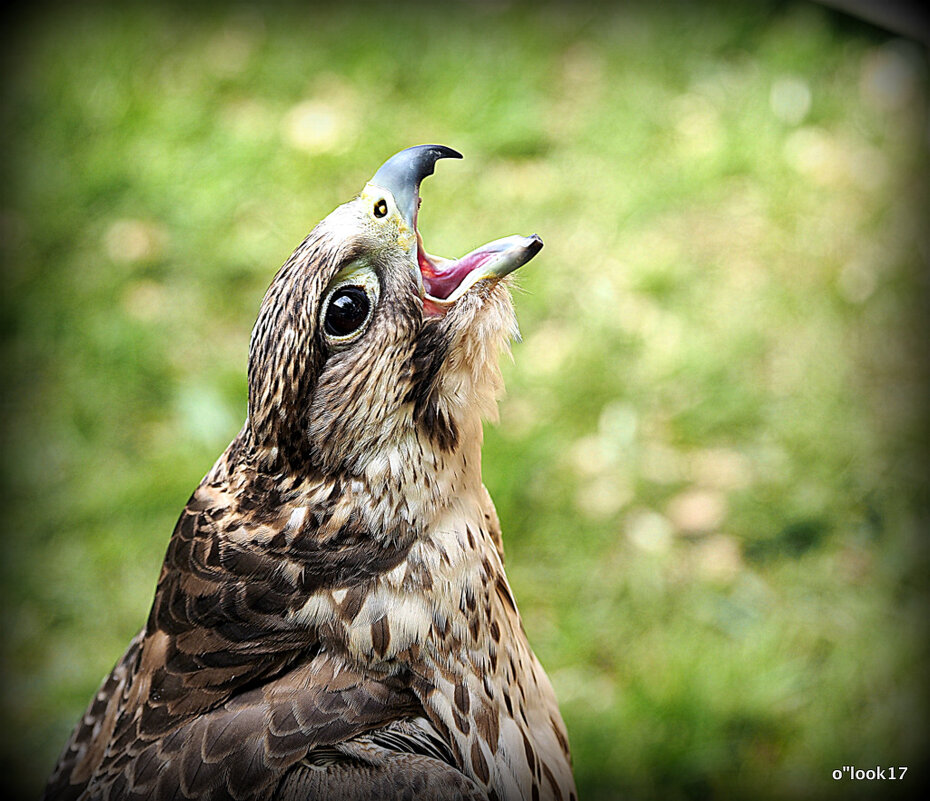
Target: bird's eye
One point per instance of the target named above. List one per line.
(381, 208)
(349, 303)
(348, 310)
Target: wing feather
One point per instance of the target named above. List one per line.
(223, 692)
(397, 778)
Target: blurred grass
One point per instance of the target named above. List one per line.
(709, 465)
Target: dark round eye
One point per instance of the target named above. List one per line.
(347, 311)
(380, 208)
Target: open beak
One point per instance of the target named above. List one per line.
(443, 281)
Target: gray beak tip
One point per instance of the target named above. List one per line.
(402, 173)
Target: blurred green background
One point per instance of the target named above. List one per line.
(709, 465)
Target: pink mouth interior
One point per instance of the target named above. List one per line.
(440, 281)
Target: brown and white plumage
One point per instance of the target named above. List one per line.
(332, 619)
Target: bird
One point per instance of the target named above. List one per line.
(332, 619)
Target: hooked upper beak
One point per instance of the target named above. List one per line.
(403, 172)
(443, 281)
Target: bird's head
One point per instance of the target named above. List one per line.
(367, 349)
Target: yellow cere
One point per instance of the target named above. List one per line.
(406, 236)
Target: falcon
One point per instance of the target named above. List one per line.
(332, 619)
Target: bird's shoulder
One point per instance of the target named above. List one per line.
(229, 686)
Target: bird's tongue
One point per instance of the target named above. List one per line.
(442, 279)
(448, 279)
